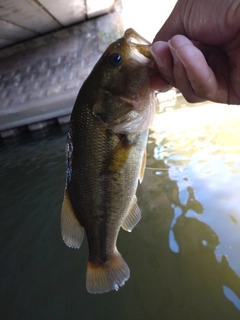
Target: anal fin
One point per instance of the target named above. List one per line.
(72, 231)
(133, 216)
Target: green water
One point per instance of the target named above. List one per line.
(184, 254)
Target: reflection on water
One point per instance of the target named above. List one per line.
(184, 253)
(200, 147)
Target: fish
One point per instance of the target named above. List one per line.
(106, 157)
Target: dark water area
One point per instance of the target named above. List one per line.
(184, 255)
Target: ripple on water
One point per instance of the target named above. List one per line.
(201, 148)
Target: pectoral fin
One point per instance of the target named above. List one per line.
(72, 231)
(119, 155)
(142, 170)
(133, 216)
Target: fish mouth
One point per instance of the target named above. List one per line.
(141, 50)
(137, 42)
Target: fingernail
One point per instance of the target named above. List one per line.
(173, 52)
(154, 51)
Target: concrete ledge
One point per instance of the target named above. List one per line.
(40, 80)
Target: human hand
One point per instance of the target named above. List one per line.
(202, 55)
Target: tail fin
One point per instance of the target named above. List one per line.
(108, 276)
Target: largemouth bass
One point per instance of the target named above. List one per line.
(106, 156)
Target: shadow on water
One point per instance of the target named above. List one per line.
(184, 253)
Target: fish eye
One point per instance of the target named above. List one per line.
(115, 59)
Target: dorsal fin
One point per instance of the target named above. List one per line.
(72, 231)
(133, 216)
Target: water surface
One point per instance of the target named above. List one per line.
(184, 254)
